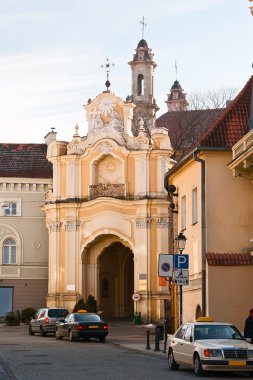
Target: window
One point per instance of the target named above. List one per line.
(11, 209)
(140, 84)
(181, 332)
(194, 206)
(175, 95)
(9, 252)
(183, 213)
(6, 297)
(188, 332)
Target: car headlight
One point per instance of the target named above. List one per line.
(212, 353)
(250, 353)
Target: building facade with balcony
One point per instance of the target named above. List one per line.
(214, 211)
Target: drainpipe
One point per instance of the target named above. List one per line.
(172, 288)
(203, 229)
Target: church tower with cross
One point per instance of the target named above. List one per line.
(142, 95)
(107, 210)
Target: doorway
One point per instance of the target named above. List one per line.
(116, 281)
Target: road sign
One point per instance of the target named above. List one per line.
(181, 281)
(165, 265)
(181, 273)
(136, 297)
(181, 261)
(181, 276)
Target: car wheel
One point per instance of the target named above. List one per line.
(71, 337)
(42, 332)
(30, 330)
(172, 363)
(57, 335)
(198, 370)
(102, 339)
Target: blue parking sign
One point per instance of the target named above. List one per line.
(181, 261)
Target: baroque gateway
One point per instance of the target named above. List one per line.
(107, 212)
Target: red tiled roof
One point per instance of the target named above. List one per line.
(24, 160)
(228, 259)
(232, 124)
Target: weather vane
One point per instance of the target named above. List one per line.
(107, 65)
(143, 25)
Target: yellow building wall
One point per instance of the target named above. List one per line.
(230, 293)
(228, 230)
(229, 226)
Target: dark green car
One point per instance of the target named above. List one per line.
(82, 325)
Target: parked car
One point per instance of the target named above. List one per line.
(82, 325)
(45, 320)
(206, 345)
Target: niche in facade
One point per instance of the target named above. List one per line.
(108, 170)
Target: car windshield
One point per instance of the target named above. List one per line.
(83, 317)
(216, 332)
(57, 313)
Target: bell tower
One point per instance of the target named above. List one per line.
(176, 98)
(142, 96)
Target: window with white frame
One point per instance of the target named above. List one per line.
(183, 212)
(11, 209)
(194, 206)
(9, 252)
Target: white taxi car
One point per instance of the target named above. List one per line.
(206, 345)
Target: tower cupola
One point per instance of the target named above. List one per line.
(176, 98)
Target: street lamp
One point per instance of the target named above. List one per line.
(181, 241)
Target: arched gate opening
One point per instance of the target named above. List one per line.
(116, 281)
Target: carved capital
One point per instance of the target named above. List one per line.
(162, 222)
(71, 226)
(143, 222)
(55, 226)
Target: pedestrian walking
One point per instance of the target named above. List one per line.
(248, 328)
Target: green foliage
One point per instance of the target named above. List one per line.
(90, 305)
(10, 316)
(27, 314)
(80, 305)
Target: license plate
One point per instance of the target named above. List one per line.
(237, 362)
(93, 327)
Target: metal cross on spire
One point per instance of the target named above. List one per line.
(107, 65)
(176, 69)
(143, 25)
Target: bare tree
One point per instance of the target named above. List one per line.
(186, 126)
(211, 99)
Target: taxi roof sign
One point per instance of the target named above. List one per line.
(82, 311)
(205, 319)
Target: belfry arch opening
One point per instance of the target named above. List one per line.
(140, 85)
(116, 281)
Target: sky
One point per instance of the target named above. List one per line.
(51, 52)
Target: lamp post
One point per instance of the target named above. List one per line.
(181, 241)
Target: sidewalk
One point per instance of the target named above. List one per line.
(134, 337)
